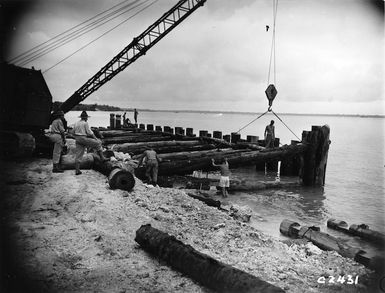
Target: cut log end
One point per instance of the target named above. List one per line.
(121, 179)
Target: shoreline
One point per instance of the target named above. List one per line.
(73, 233)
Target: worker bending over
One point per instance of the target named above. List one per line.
(151, 160)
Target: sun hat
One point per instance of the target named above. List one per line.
(84, 115)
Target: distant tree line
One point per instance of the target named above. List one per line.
(88, 107)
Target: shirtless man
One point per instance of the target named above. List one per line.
(224, 181)
(269, 135)
(151, 159)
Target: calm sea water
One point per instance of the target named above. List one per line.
(354, 189)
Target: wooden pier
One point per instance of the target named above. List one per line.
(182, 151)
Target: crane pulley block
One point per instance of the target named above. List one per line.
(271, 93)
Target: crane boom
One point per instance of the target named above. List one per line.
(138, 47)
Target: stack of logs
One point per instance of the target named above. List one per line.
(181, 154)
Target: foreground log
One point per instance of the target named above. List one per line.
(362, 230)
(207, 200)
(200, 267)
(328, 242)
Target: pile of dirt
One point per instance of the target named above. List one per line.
(63, 232)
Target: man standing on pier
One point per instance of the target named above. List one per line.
(224, 181)
(136, 116)
(270, 135)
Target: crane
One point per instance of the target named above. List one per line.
(137, 48)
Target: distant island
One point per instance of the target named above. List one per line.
(97, 107)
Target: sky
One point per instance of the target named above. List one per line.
(329, 55)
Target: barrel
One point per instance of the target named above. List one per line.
(158, 128)
(121, 179)
(150, 127)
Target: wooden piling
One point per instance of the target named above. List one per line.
(217, 134)
(189, 131)
(112, 121)
(179, 130)
(235, 137)
(118, 121)
(227, 138)
(202, 268)
(315, 158)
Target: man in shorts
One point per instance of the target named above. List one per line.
(224, 181)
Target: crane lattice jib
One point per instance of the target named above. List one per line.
(138, 47)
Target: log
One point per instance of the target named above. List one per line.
(67, 161)
(158, 146)
(207, 200)
(134, 138)
(120, 175)
(200, 267)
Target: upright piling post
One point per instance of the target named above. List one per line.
(315, 158)
(112, 121)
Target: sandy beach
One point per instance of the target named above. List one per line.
(67, 233)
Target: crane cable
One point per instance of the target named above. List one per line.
(271, 61)
(272, 50)
(41, 46)
(80, 32)
(94, 40)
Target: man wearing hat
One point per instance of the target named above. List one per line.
(57, 136)
(85, 137)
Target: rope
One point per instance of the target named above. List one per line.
(285, 125)
(252, 121)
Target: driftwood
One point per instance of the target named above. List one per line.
(198, 266)
(207, 200)
(327, 242)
